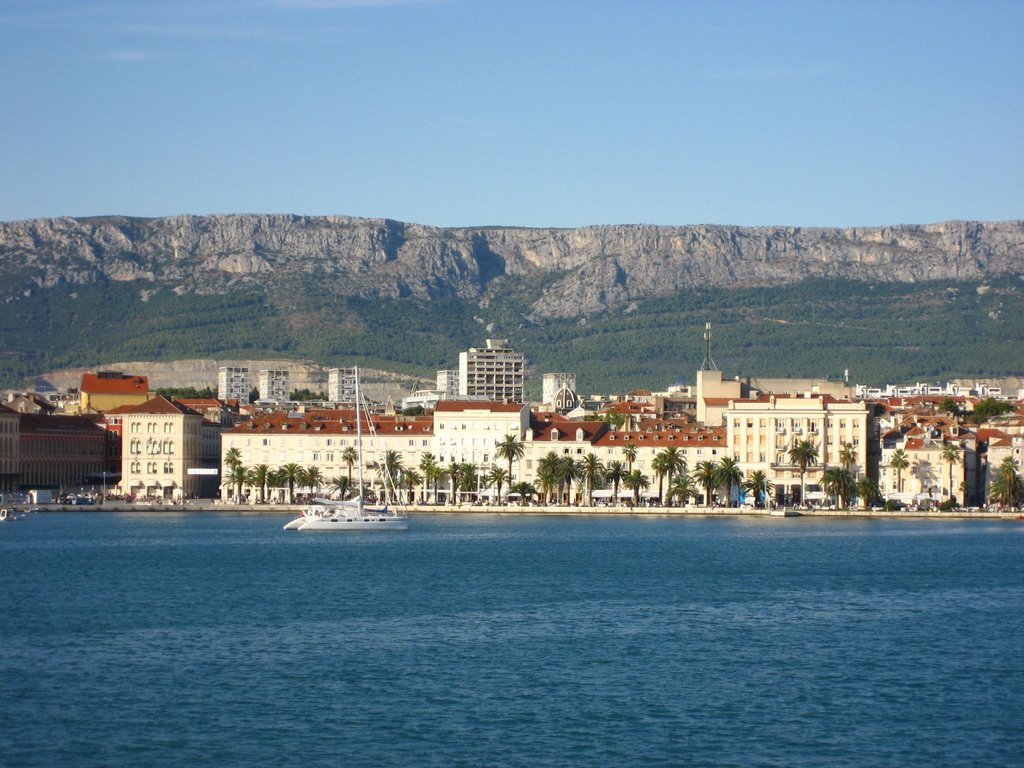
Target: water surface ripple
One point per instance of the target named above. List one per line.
(212, 639)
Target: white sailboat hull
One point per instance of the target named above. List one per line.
(365, 523)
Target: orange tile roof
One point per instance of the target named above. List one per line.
(122, 384)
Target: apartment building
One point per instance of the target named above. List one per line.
(273, 385)
(341, 385)
(762, 430)
(494, 372)
(9, 433)
(102, 391)
(233, 383)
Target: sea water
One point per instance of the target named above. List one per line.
(487, 640)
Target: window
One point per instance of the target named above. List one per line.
(168, 468)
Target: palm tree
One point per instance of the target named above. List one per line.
(630, 453)
(593, 473)
(510, 448)
(290, 473)
(312, 477)
(951, 455)
(729, 475)
(428, 463)
(759, 485)
(547, 482)
(867, 490)
(524, 490)
(276, 479)
(839, 483)
(237, 477)
(706, 475)
(802, 454)
(469, 481)
(899, 462)
(636, 481)
(410, 479)
(614, 473)
(498, 477)
(233, 458)
(569, 471)
(341, 485)
(454, 472)
(257, 477)
(1007, 487)
(390, 470)
(674, 461)
(433, 473)
(660, 469)
(350, 456)
(847, 456)
(682, 487)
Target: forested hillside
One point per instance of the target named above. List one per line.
(879, 331)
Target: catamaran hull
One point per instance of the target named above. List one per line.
(366, 524)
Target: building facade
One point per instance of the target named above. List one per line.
(233, 383)
(59, 451)
(494, 372)
(9, 434)
(341, 385)
(551, 383)
(161, 442)
(761, 432)
(102, 391)
(273, 385)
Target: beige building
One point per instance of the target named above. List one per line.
(161, 441)
(322, 438)
(8, 448)
(468, 431)
(494, 372)
(761, 431)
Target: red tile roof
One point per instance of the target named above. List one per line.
(120, 384)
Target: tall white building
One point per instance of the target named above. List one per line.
(448, 383)
(233, 383)
(273, 384)
(553, 382)
(341, 385)
(494, 372)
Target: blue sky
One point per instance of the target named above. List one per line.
(470, 112)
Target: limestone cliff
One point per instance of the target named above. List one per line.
(584, 271)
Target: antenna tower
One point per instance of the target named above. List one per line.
(709, 361)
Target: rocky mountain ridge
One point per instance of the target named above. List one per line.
(580, 271)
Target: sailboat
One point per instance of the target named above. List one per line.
(351, 514)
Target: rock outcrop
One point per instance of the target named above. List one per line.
(583, 271)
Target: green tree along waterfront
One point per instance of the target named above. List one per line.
(880, 332)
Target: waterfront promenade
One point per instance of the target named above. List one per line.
(207, 505)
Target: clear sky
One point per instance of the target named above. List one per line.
(546, 113)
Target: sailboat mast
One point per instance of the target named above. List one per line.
(359, 436)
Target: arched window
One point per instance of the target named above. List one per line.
(168, 468)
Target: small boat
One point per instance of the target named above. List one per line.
(350, 514)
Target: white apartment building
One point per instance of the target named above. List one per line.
(233, 383)
(468, 431)
(448, 383)
(341, 385)
(273, 385)
(494, 372)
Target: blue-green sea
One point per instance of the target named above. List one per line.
(484, 640)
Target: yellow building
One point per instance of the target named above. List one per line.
(762, 430)
(106, 390)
